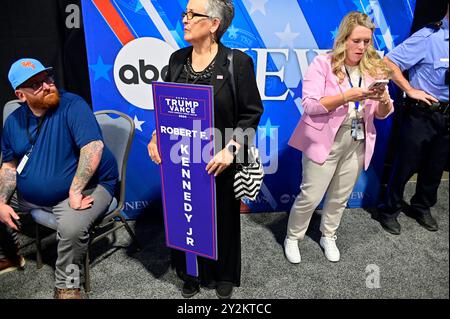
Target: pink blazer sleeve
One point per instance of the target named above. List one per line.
(314, 86)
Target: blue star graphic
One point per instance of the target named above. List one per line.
(335, 33)
(138, 6)
(267, 130)
(382, 43)
(232, 32)
(101, 69)
(296, 92)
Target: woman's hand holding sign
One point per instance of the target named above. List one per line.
(152, 149)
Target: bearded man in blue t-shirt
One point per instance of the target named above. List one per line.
(53, 158)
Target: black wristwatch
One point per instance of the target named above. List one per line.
(232, 149)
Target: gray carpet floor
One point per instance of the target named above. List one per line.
(412, 265)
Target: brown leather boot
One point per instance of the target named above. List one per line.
(11, 264)
(67, 293)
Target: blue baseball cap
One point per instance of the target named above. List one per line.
(23, 69)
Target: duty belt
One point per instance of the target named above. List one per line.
(440, 107)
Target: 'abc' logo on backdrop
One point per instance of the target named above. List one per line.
(137, 65)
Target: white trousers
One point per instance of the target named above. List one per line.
(336, 177)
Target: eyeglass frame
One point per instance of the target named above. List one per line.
(193, 14)
(49, 79)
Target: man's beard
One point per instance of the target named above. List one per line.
(49, 101)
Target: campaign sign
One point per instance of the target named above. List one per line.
(184, 118)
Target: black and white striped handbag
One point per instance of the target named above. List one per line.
(249, 177)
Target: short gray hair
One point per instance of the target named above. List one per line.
(224, 11)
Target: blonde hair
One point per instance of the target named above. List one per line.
(371, 62)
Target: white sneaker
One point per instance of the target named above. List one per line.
(291, 250)
(330, 248)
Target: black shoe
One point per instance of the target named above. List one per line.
(210, 285)
(390, 224)
(190, 289)
(427, 221)
(224, 290)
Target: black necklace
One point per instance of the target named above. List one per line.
(194, 76)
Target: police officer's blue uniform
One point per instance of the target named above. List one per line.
(423, 143)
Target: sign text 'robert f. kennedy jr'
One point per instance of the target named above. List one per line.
(184, 116)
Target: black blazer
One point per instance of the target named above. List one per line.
(226, 114)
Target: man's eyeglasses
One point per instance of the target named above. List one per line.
(36, 86)
(190, 15)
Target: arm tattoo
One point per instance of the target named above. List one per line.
(90, 156)
(7, 182)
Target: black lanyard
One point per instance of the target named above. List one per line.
(351, 85)
(38, 130)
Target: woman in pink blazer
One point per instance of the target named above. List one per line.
(336, 132)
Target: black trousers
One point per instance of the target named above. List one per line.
(422, 148)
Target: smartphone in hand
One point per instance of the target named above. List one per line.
(378, 84)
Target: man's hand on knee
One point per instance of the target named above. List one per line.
(80, 201)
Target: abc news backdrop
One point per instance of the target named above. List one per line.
(129, 43)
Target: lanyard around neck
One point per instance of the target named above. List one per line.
(351, 85)
(38, 129)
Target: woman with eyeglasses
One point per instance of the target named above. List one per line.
(336, 132)
(206, 62)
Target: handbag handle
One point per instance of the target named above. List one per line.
(233, 84)
(251, 154)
